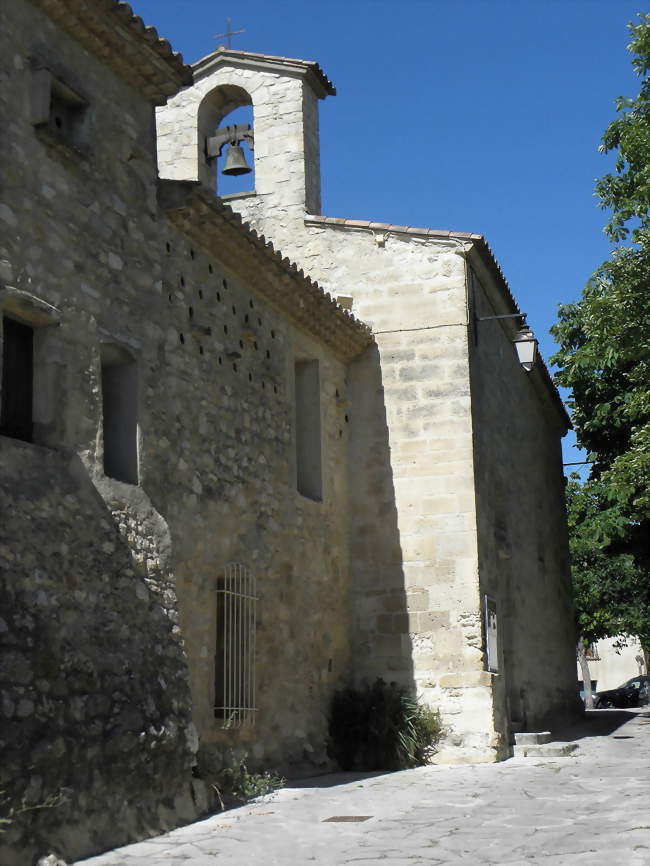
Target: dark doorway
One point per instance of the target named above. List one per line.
(16, 418)
(120, 410)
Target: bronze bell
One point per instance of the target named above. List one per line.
(236, 161)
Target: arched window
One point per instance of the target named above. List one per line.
(225, 106)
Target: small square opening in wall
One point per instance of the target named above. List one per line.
(56, 107)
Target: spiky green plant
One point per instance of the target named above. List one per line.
(381, 727)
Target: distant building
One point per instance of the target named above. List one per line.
(613, 661)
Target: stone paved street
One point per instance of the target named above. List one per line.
(590, 808)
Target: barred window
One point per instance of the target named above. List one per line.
(234, 663)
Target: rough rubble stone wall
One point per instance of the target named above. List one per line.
(228, 446)
(523, 548)
(96, 704)
(96, 714)
(109, 587)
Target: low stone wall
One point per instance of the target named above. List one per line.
(95, 710)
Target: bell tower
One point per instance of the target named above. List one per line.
(284, 94)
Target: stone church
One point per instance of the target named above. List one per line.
(249, 453)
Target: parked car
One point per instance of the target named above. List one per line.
(633, 693)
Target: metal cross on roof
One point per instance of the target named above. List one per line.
(229, 33)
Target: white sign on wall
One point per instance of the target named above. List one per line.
(491, 642)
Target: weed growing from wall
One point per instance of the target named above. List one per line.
(237, 785)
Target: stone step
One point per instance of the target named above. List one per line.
(530, 738)
(544, 750)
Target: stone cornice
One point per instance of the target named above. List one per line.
(119, 39)
(307, 69)
(215, 227)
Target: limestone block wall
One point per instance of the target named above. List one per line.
(287, 155)
(523, 549)
(108, 618)
(413, 519)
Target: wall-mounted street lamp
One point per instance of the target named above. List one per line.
(526, 346)
(524, 341)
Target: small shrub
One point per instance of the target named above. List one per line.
(381, 727)
(236, 784)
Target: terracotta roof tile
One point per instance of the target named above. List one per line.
(111, 31)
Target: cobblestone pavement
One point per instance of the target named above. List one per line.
(591, 808)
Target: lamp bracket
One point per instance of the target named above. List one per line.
(228, 135)
(505, 316)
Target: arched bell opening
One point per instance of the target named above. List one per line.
(226, 141)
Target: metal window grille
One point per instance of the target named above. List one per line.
(234, 668)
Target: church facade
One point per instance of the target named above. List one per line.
(456, 483)
(225, 495)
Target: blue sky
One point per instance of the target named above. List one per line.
(481, 116)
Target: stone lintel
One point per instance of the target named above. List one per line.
(28, 308)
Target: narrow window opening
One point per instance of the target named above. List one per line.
(16, 416)
(234, 662)
(308, 430)
(120, 413)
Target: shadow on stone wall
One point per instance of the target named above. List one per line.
(95, 699)
(381, 642)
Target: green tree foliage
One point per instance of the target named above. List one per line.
(604, 339)
(611, 590)
(604, 361)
